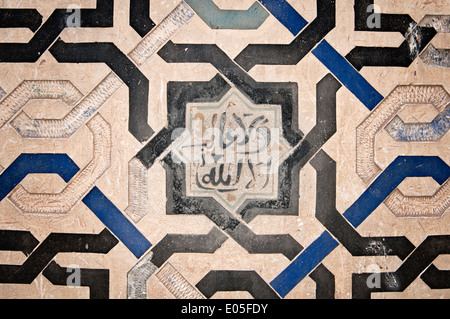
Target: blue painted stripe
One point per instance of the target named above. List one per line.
(401, 168)
(335, 62)
(25, 164)
(304, 264)
(347, 75)
(119, 225)
(286, 14)
(63, 165)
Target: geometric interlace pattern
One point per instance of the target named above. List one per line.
(224, 149)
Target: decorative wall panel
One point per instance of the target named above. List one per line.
(226, 149)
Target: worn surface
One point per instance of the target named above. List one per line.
(199, 149)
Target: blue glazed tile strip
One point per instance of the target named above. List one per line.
(336, 63)
(119, 225)
(286, 14)
(347, 75)
(62, 165)
(25, 164)
(308, 259)
(401, 168)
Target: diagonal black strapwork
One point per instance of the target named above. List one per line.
(339, 227)
(56, 243)
(20, 18)
(15, 240)
(96, 279)
(368, 19)
(101, 17)
(294, 52)
(227, 280)
(140, 19)
(418, 261)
